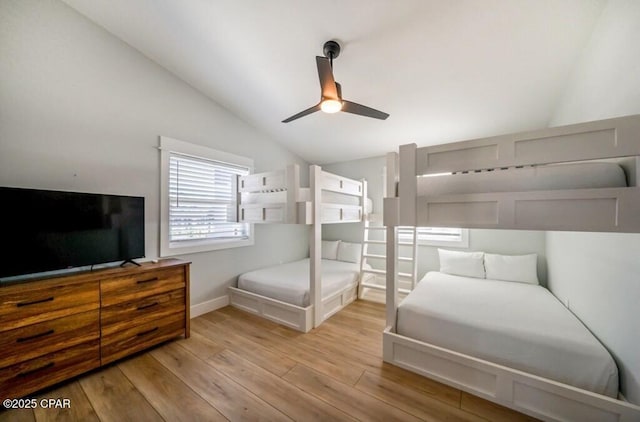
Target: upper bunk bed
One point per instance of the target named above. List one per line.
(582, 177)
(277, 197)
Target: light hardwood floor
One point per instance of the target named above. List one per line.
(239, 367)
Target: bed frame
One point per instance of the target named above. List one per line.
(277, 197)
(296, 317)
(602, 209)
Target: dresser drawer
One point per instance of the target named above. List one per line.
(139, 285)
(140, 337)
(35, 340)
(35, 374)
(30, 303)
(120, 317)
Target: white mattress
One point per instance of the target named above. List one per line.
(546, 177)
(521, 326)
(290, 282)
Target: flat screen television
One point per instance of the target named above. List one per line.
(47, 230)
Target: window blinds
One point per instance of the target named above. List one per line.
(202, 199)
(441, 234)
(437, 234)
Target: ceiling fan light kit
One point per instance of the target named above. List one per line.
(331, 106)
(331, 96)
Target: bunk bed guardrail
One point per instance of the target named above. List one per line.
(609, 209)
(277, 197)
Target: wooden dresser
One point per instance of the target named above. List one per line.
(57, 328)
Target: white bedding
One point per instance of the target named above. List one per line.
(546, 177)
(290, 282)
(522, 326)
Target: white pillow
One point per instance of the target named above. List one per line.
(520, 268)
(349, 252)
(467, 264)
(330, 249)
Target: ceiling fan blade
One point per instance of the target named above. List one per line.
(361, 110)
(327, 83)
(303, 113)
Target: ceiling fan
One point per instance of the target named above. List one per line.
(331, 97)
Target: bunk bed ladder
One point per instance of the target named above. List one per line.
(406, 259)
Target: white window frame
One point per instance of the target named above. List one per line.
(167, 248)
(425, 239)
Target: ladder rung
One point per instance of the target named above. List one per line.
(374, 286)
(376, 242)
(376, 228)
(380, 287)
(405, 243)
(367, 255)
(374, 271)
(383, 272)
(404, 258)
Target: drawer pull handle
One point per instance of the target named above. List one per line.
(147, 280)
(46, 333)
(27, 373)
(21, 304)
(144, 333)
(150, 305)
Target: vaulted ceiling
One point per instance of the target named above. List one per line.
(445, 70)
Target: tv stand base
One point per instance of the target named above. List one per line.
(129, 261)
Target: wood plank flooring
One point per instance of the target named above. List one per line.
(236, 366)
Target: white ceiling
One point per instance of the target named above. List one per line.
(445, 70)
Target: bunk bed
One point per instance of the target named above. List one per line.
(275, 293)
(582, 177)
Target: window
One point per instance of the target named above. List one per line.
(199, 200)
(439, 236)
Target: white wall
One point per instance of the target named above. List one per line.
(599, 272)
(604, 82)
(80, 110)
(495, 241)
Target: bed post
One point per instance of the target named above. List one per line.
(390, 215)
(315, 244)
(292, 176)
(363, 199)
(408, 185)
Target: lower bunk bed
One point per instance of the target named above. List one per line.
(281, 293)
(509, 342)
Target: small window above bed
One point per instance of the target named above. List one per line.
(199, 201)
(439, 236)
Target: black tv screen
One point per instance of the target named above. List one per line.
(53, 230)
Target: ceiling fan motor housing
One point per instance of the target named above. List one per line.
(331, 49)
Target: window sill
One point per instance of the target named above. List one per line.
(196, 246)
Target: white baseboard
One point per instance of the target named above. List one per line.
(209, 306)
